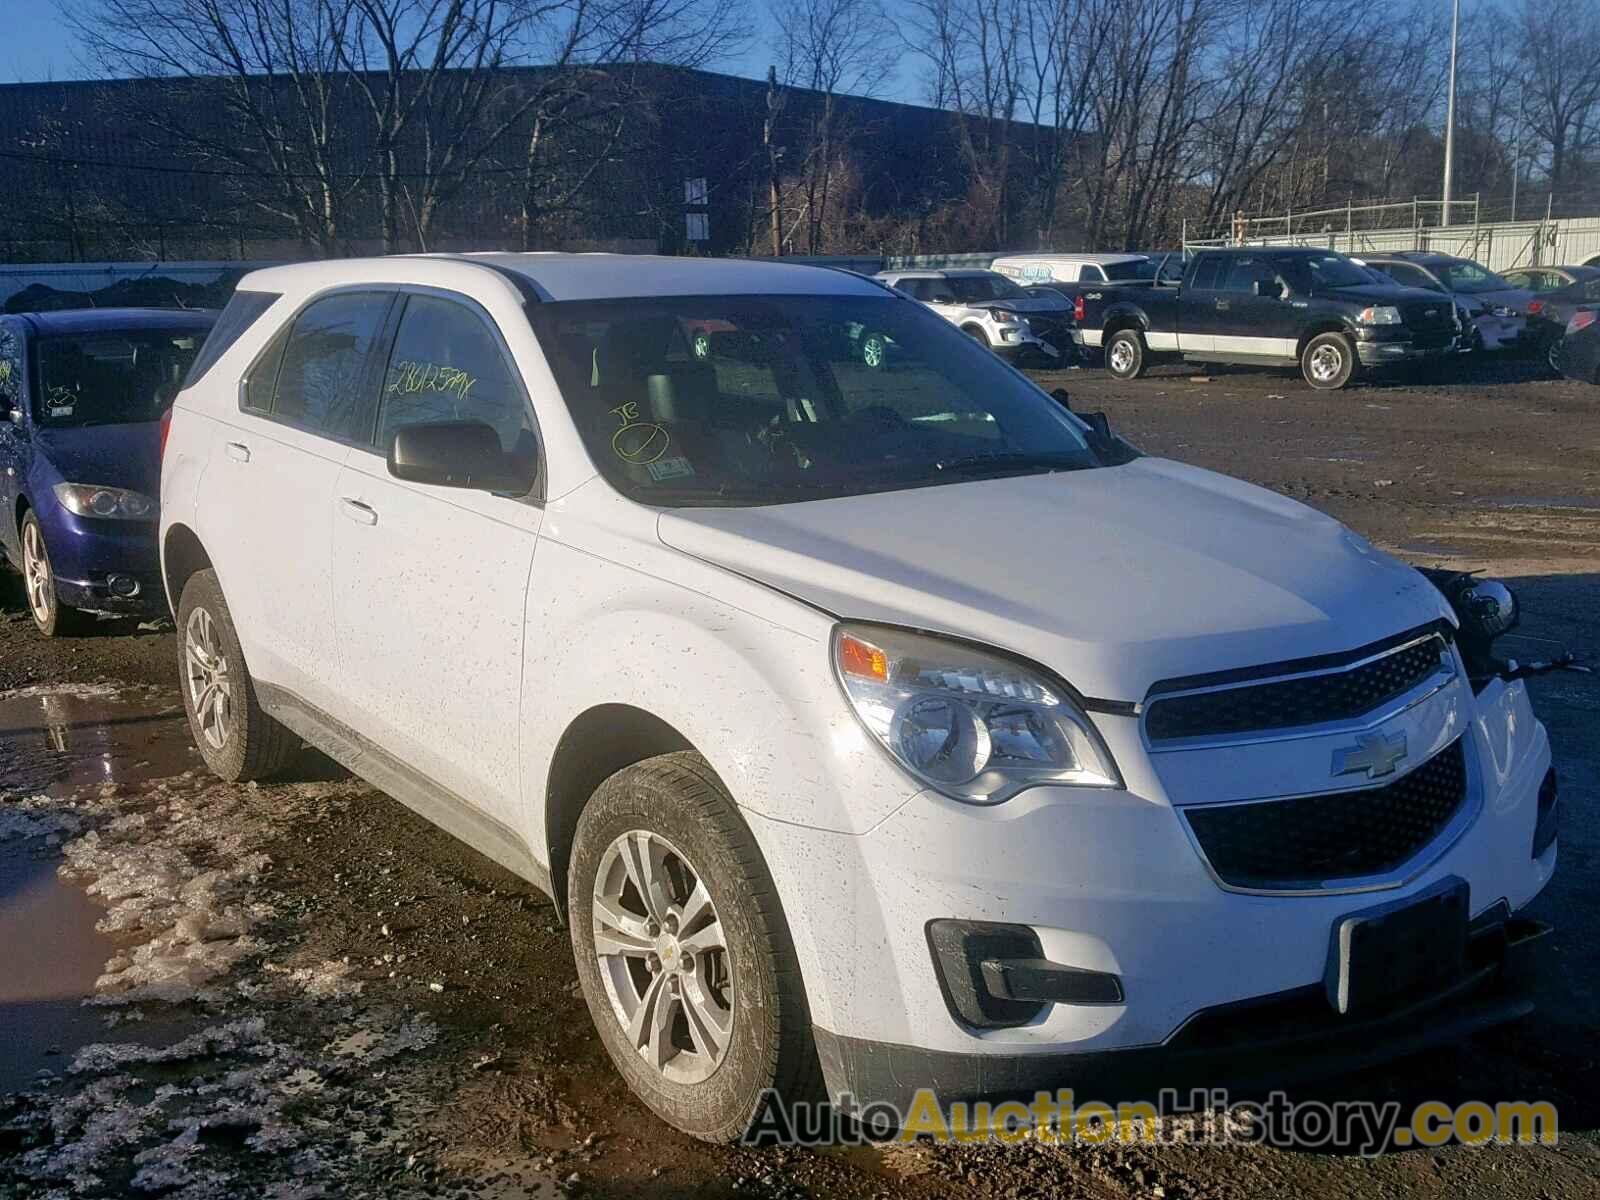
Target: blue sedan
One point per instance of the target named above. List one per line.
(82, 394)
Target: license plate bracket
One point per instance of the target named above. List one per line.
(1379, 956)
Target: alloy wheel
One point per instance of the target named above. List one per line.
(205, 669)
(1121, 356)
(663, 957)
(1326, 363)
(872, 351)
(37, 579)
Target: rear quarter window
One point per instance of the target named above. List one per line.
(242, 311)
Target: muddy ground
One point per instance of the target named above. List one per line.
(302, 990)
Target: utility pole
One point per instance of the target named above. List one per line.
(774, 153)
(1450, 113)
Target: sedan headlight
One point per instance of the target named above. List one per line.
(972, 724)
(1382, 314)
(91, 500)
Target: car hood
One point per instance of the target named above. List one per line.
(1513, 298)
(1115, 577)
(126, 456)
(1377, 293)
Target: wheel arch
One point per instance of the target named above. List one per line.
(1318, 328)
(1119, 319)
(596, 744)
(182, 555)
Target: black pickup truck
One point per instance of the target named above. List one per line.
(1269, 306)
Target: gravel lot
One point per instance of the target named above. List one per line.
(308, 991)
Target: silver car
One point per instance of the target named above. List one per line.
(1496, 312)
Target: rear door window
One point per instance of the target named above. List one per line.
(447, 365)
(1245, 272)
(1206, 271)
(324, 383)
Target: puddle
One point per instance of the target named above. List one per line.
(1587, 502)
(58, 742)
(53, 956)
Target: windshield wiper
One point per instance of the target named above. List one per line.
(1013, 461)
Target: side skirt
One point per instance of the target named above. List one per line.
(429, 800)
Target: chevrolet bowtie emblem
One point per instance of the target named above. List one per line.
(1374, 755)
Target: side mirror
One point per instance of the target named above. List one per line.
(460, 454)
(15, 416)
(1063, 398)
(1270, 288)
(1112, 448)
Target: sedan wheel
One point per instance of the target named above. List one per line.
(39, 582)
(36, 575)
(205, 671)
(663, 957)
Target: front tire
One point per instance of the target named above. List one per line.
(683, 953)
(50, 616)
(1328, 361)
(1126, 354)
(977, 335)
(234, 735)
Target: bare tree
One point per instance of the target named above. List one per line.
(275, 68)
(1561, 57)
(828, 48)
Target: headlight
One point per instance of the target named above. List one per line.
(974, 725)
(1382, 314)
(89, 500)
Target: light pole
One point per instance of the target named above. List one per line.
(1450, 114)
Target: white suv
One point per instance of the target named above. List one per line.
(991, 310)
(872, 727)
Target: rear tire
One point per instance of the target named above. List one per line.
(1328, 361)
(50, 616)
(234, 735)
(1125, 354)
(728, 1000)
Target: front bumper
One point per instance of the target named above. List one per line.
(1399, 350)
(1111, 882)
(1256, 1044)
(106, 566)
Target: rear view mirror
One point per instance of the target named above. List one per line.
(460, 454)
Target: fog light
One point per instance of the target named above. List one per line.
(995, 976)
(124, 587)
(1544, 829)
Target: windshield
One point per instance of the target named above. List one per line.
(1133, 269)
(975, 289)
(112, 378)
(1464, 275)
(1335, 270)
(749, 400)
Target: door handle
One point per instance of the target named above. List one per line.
(238, 451)
(1222, 304)
(361, 514)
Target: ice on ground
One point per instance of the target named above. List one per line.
(78, 691)
(275, 1094)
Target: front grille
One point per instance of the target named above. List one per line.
(1424, 328)
(1308, 841)
(1304, 700)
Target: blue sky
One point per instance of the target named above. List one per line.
(37, 44)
